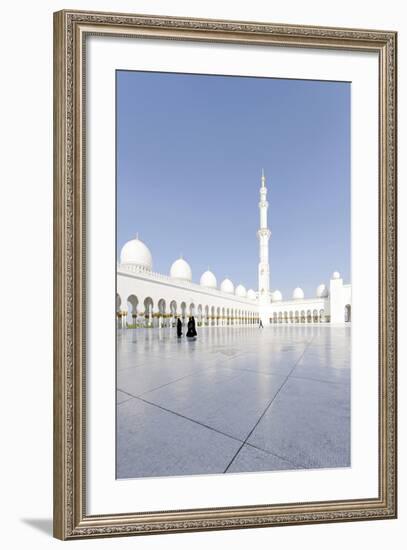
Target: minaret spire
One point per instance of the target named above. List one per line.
(264, 235)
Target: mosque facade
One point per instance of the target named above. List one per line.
(148, 299)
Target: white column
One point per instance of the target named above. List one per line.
(124, 318)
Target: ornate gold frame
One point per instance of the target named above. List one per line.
(70, 518)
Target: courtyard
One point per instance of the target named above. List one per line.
(237, 399)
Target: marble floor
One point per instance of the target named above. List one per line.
(234, 400)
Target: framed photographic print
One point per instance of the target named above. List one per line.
(225, 274)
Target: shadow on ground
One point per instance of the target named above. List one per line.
(40, 524)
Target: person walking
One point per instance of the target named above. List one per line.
(194, 327)
(191, 328)
(179, 328)
(261, 324)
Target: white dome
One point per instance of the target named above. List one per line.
(208, 279)
(336, 275)
(241, 291)
(298, 293)
(227, 286)
(322, 291)
(276, 296)
(135, 252)
(251, 294)
(180, 269)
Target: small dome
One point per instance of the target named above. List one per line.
(208, 279)
(251, 294)
(227, 286)
(276, 296)
(135, 252)
(322, 291)
(241, 291)
(298, 293)
(180, 269)
(336, 275)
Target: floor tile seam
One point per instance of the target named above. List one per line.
(322, 359)
(239, 440)
(264, 372)
(125, 400)
(267, 408)
(168, 384)
(225, 361)
(126, 392)
(279, 390)
(294, 377)
(267, 451)
(228, 359)
(131, 368)
(178, 380)
(261, 372)
(224, 434)
(182, 361)
(158, 387)
(291, 361)
(301, 357)
(255, 426)
(313, 361)
(210, 359)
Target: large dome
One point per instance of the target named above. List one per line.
(241, 291)
(322, 291)
(251, 294)
(180, 269)
(298, 293)
(227, 286)
(276, 296)
(135, 252)
(208, 279)
(336, 275)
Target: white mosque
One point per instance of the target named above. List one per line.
(149, 299)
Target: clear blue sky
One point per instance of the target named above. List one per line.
(190, 149)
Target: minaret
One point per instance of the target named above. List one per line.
(264, 235)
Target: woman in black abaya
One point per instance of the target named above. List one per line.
(179, 328)
(191, 328)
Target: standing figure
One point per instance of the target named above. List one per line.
(179, 328)
(191, 328)
(261, 324)
(194, 326)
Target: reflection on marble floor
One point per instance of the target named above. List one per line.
(234, 400)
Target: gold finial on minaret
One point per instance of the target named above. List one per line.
(263, 178)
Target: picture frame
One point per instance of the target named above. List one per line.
(72, 519)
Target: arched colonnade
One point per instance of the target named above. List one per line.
(299, 316)
(138, 312)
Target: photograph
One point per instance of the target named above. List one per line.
(225, 273)
(202, 221)
(233, 274)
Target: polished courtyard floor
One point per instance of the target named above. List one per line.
(234, 400)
